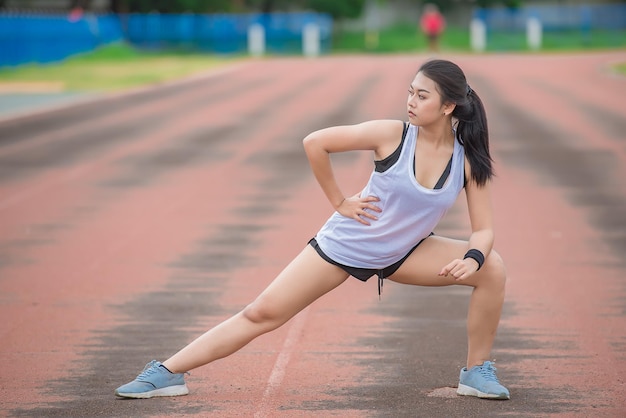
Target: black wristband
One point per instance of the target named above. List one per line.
(476, 255)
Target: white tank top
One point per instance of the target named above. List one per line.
(410, 212)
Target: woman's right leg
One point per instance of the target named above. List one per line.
(304, 280)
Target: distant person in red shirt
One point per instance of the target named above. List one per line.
(432, 24)
(75, 14)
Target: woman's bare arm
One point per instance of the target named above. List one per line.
(380, 136)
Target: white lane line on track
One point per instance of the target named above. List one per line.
(280, 367)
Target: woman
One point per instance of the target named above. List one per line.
(385, 230)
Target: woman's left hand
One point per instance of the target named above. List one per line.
(460, 269)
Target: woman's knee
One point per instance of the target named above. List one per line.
(262, 311)
(495, 269)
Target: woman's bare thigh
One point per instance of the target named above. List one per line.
(422, 267)
(304, 280)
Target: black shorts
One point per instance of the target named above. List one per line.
(364, 274)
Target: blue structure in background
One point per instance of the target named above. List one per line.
(223, 33)
(580, 22)
(556, 17)
(43, 39)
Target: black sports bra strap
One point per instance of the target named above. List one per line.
(383, 165)
(405, 130)
(444, 176)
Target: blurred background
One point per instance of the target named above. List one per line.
(200, 33)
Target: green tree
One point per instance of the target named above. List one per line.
(445, 5)
(269, 6)
(338, 9)
(172, 6)
(513, 4)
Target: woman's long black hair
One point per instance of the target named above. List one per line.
(469, 112)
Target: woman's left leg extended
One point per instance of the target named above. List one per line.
(304, 280)
(422, 268)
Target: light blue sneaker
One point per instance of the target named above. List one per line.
(154, 380)
(481, 381)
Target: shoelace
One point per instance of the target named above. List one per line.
(148, 370)
(152, 368)
(489, 372)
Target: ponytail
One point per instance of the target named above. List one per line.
(473, 133)
(469, 112)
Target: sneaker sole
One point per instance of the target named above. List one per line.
(470, 391)
(168, 391)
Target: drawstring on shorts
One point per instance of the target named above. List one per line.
(381, 273)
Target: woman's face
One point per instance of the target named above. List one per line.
(424, 102)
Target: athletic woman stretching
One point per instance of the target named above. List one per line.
(386, 230)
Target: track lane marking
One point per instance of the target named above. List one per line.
(280, 367)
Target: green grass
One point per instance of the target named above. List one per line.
(399, 38)
(581, 40)
(559, 40)
(110, 68)
(407, 38)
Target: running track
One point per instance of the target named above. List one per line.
(131, 224)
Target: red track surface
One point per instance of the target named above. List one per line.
(129, 226)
